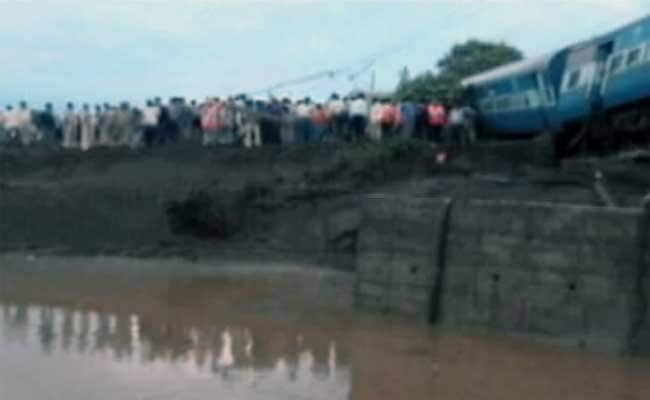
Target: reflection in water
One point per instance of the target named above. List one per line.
(124, 338)
(226, 358)
(195, 336)
(46, 328)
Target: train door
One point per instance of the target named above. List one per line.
(595, 92)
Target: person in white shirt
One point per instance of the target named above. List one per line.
(250, 127)
(71, 128)
(303, 121)
(9, 124)
(376, 112)
(12, 124)
(98, 117)
(358, 116)
(150, 121)
(339, 115)
(87, 128)
(460, 131)
(28, 132)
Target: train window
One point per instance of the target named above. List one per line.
(503, 87)
(617, 63)
(527, 82)
(633, 57)
(550, 97)
(574, 79)
(487, 106)
(503, 103)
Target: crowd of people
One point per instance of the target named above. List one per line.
(238, 121)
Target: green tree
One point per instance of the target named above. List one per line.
(462, 61)
(475, 56)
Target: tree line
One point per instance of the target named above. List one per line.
(463, 60)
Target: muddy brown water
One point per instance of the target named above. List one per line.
(108, 328)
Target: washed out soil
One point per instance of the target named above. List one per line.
(190, 201)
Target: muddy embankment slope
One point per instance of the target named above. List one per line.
(300, 201)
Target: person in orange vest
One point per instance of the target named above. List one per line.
(437, 119)
(390, 119)
(320, 119)
(211, 121)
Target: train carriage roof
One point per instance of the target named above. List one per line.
(538, 63)
(509, 70)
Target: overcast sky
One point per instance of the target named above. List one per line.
(110, 50)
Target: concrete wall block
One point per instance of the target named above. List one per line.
(373, 303)
(608, 319)
(424, 229)
(468, 239)
(500, 291)
(377, 207)
(600, 290)
(383, 226)
(465, 217)
(411, 299)
(375, 267)
(572, 222)
(373, 289)
(612, 224)
(496, 217)
(502, 250)
(556, 221)
(550, 256)
(414, 269)
(593, 307)
(551, 289)
(464, 254)
(506, 219)
(612, 259)
(420, 208)
(411, 306)
(458, 297)
(371, 239)
(564, 321)
(422, 247)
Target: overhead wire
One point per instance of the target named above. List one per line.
(361, 66)
(367, 61)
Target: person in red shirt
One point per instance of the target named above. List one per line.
(437, 119)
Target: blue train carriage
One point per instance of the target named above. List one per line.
(608, 75)
(514, 99)
(626, 89)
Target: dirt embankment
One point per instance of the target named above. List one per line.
(301, 200)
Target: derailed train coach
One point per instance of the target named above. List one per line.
(595, 92)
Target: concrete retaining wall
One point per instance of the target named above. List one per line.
(560, 273)
(399, 252)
